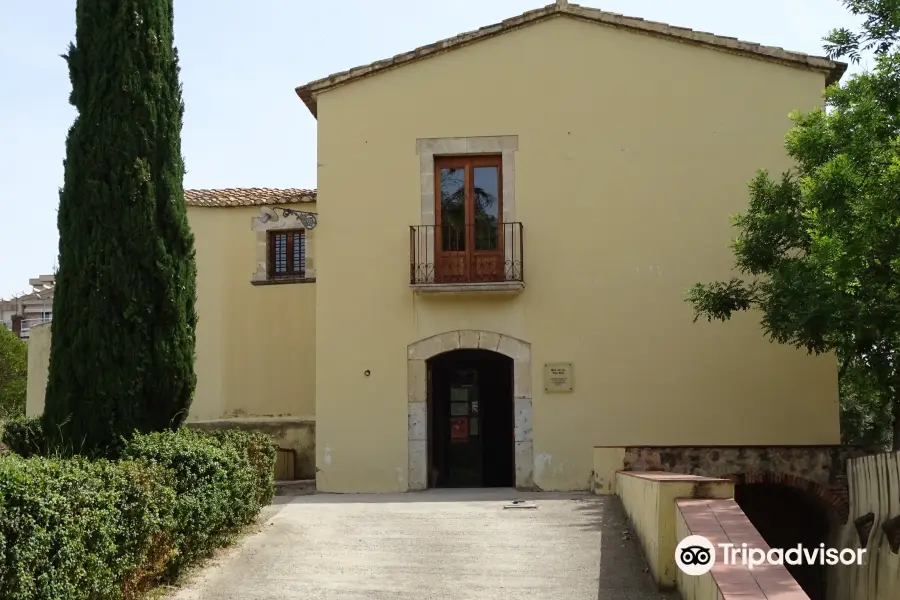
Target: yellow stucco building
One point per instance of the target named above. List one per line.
(492, 291)
(546, 189)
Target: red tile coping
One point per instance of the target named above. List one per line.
(723, 522)
(664, 476)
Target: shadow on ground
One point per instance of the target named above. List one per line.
(624, 574)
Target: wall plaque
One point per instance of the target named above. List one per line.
(558, 377)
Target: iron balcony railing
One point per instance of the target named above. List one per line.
(481, 252)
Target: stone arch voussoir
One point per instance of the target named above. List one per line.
(417, 356)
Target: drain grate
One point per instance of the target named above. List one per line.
(520, 504)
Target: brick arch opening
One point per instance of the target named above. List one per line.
(788, 510)
(833, 502)
(418, 355)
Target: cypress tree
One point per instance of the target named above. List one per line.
(122, 347)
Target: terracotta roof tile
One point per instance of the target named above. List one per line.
(248, 197)
(833, 69)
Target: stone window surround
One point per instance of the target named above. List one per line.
(418, 355)
(428, 148)
(289, 222)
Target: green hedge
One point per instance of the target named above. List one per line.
(81, 529)
(24, 436)
(220, 488)
(100, 529)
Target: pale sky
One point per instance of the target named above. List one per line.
(244, 126)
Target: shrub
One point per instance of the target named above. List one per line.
(100, 530)
(81, 530)
(13, 374)
(260, 452)
(221, 481)
(25, 436)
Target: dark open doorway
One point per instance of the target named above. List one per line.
(785, 517)
(470, 429)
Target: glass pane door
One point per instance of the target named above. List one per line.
(465, 442)
(486, 207)
(468, 211)
(453, 209)
(451, 238)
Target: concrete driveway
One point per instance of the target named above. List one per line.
(437, 544)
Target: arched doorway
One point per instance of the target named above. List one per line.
(787, 516)
(470, 428)
(506, 351)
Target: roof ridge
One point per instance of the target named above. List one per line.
(252, 196)
(834, 69)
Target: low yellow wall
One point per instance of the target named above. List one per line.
(723, 522)
(607, 462)
(874, 483)
(649, 500)
(701, 587)
(38, 363)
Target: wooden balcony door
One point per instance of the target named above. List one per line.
(468, 219)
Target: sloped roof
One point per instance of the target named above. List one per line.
(248, 197)
(833, 69)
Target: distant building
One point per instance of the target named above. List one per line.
(21, 313)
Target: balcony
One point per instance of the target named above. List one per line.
(25, 325)
(476, 258)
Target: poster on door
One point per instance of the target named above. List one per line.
(459, 429)
(459, 409)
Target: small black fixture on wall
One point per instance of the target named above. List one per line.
(367, 372)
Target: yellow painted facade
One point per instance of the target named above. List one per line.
(255, 348)
(633, 152)
(255, 343)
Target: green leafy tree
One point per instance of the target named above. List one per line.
(865, 409)
(13, 374)
(122, 349)
(819, 248)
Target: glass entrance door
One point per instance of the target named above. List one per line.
(464, 448)
(471, 423)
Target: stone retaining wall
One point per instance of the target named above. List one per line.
(819, 470)
(289, 433)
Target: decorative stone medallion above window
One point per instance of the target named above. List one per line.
(279, 219)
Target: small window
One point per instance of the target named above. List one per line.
(287, 254)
